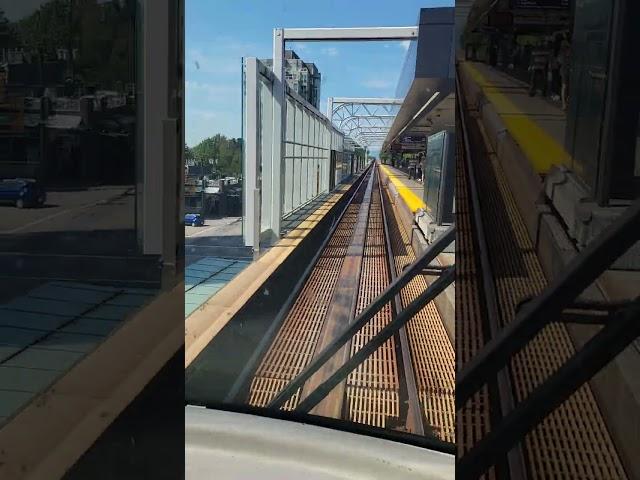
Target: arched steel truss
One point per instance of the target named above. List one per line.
(366, 120)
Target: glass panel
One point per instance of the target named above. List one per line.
(433, 172)
(590, 58)
(70, 123)
(265, 126)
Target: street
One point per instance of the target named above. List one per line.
(221, 237)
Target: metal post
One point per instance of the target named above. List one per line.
(279, 113)
(251, 220)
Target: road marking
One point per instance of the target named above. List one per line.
(55, 215)
(36, 222)
(200, 232)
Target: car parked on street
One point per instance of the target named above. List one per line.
(194, 219)
(22, 192)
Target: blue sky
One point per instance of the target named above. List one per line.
(220, 32)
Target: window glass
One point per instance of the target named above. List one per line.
(68, 122)
(433, 172)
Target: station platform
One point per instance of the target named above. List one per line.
(411, 191)
(534, 124)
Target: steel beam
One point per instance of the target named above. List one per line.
(351, 34)
(368, 100)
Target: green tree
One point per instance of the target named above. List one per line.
(188, 153)
(47, 29)
(226, 152)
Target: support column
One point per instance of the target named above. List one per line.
(330, 109)
(251, 192)
(279, 113)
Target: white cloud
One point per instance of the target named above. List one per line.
(201, 91)
(330, 51)
(203, 114)
(298, 47)
(377, 83)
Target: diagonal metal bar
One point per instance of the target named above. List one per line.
(382, 336)
(539, 312)
(601, 349)
(381, 300)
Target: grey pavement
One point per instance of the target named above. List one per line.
(220, 237)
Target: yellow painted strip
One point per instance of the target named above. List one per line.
(539, 147)
(411, 199)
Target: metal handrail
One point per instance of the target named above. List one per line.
(316, 396)
(385, 297)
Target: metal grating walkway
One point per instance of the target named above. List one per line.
(372, 388)
(372, 395)
(431, 350)
(573, 441)
(295, 343)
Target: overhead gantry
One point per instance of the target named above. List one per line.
(366, 120)
(271, 131)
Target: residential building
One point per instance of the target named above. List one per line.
(302, 77)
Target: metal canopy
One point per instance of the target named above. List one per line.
(427, 79)
(367, 120)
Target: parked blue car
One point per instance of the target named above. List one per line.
(193, 219)
(22, 192)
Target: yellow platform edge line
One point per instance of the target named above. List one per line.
(540, 148)
(411, 199)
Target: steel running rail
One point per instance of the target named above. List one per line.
(620, 330)
(241, 384)
(445, 279)
(415, 420)
(515, 462)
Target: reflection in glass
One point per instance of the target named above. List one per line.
(68, 124)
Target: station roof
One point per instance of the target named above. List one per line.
(427, 81)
